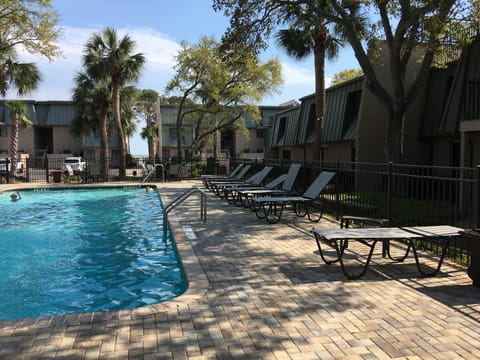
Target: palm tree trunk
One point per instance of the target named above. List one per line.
(14, 144)
(121, 135)
(319, 35)
(104, 158)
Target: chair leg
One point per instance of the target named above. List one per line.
(273, 215)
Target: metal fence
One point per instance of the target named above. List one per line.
(53, 170)
(406, 195)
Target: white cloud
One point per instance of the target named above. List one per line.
(159, 50)
(298, 75)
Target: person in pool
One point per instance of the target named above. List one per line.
(15, 197)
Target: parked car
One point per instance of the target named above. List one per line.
(76, 163)
(3, 165)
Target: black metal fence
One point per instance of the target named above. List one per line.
(53, 170)
(406, 195)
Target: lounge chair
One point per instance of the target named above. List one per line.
(271, 207)
(231, 194)
(234, 172)
(237, 177)
(245, 196)
(254, 180)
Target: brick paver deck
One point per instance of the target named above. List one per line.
(260, 291)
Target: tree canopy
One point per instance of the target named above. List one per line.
(397, 30)
(110, 57)
(345, 75)
(32, 25)
(223, 90)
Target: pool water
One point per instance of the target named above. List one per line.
(82, 250)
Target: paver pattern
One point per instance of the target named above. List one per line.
(261, 291)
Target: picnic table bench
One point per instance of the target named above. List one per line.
(338, 240)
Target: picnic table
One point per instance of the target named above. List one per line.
(338, 239)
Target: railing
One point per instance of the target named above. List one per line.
(181, 198)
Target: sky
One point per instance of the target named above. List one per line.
(158, 27)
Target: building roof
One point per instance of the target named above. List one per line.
(451, 94)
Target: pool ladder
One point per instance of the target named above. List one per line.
(182, 197)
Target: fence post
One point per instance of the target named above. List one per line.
(46, 172)
(389, 192)
(337, 195)
(7, 170)
(476, 198)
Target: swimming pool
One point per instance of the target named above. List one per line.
(83, 250)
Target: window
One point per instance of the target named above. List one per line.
(115, 155)
(260, 134)
(282, 128)
(286, 154)
(311, 120)
(3, 132)
(351, 109)
(90, 154)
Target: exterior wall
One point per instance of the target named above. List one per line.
(475, 138)
(341, 151)
(371, 131)
(441, 150)
(251, 143)
(296, 153)
(25, 141)
(65, 142)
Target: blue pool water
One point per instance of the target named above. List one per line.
(83, 250)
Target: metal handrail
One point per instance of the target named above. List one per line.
(182, 197)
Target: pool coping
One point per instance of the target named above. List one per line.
(197, 281)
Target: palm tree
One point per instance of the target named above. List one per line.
(308, 35)
(93, 102)
(25, 78)
(146, 106)
(18, 115)
(107, 56)
(299, 44)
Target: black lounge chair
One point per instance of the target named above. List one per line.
(271, 207)
(206, 178)
(241, 173)
(255, 180)
(231, 194)
(245, 196)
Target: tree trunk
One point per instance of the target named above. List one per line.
(179, 144)
(13, 145)
(104, 158)
(319, 35)
(394, 136)
(151, 148)
(121, 135)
